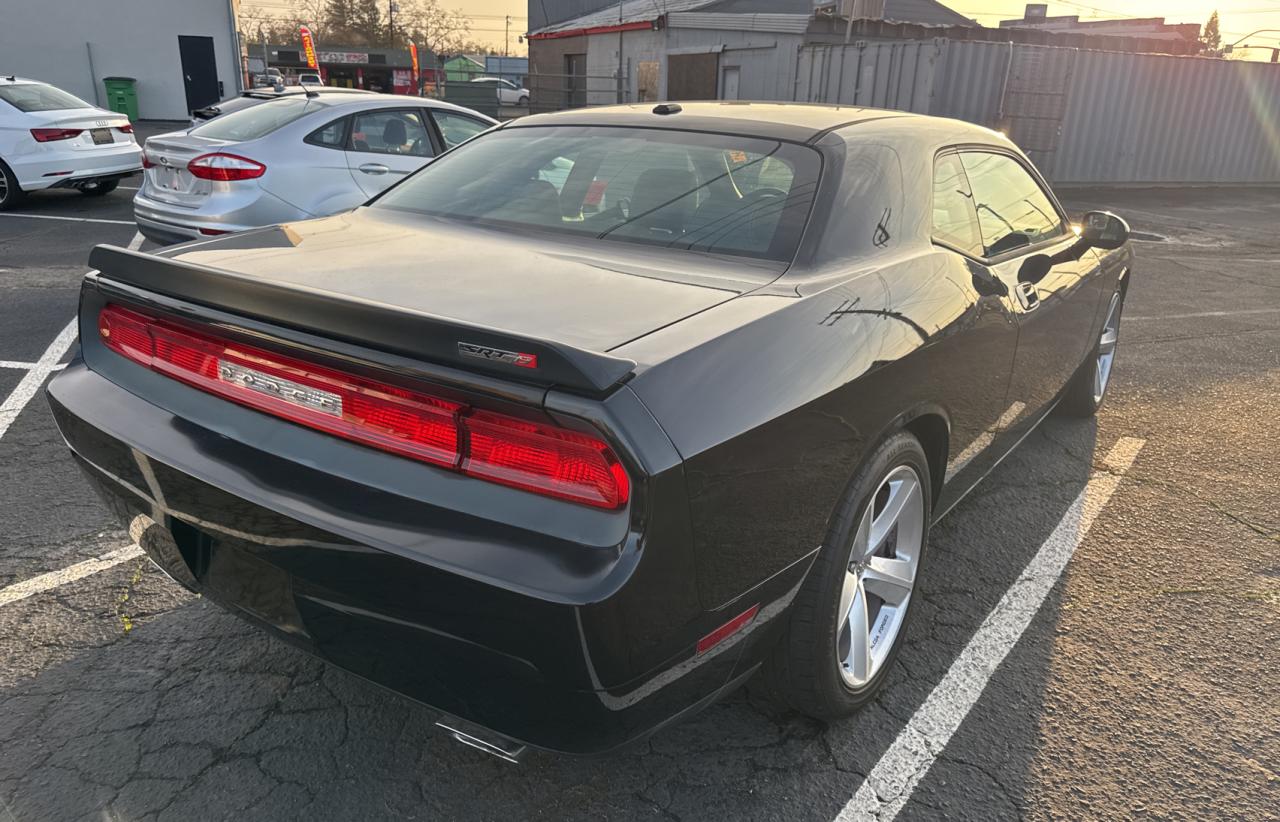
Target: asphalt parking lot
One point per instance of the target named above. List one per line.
(1099, 636)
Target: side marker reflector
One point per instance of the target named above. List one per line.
(728, 629)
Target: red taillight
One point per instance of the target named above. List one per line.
(544, 459)
(225, 167)
(48, 135)
(552, 461)
(127, 128)
(146, 160)
(213, 232)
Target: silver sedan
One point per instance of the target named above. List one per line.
(290, 159)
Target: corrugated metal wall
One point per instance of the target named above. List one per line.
(1083, 116)
(898, 75)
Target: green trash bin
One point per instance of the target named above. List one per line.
(122, 95)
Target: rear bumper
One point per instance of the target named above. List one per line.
(168, 223)
(40, 171)
(319, 563)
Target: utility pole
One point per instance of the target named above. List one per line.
(391, 22)
(265, 58)
(506, 38)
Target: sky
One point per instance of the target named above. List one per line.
(1239, 17)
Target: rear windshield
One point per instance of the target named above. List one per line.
(257, 121)
(39, 97)
(714, 193)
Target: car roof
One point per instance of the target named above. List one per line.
(796, 122)
(392, 100)
(270, 91)
(14, 80)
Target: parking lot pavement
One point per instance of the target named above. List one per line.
(1138, 683)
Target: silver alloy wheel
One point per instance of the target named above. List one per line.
(880, 576)
(4, 187)
(1107, 349)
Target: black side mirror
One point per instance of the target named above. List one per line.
(1102, 229)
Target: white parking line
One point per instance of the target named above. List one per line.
(40, 370)
(69, 219)
(1205, 314)
(891, 782)
(29, 587)
(25, 366)
(35, 377)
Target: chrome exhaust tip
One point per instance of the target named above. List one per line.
(483, 740)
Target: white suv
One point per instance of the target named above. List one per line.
(52, 139)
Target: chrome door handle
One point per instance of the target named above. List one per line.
(374, 168)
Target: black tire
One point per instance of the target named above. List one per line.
(10, 193)
(803, 671)
(100, 189)
(1080, 398)
(523, 101)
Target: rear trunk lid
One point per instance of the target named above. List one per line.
(439, 291)
(168, 180)
(98, 128)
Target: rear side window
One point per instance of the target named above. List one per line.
(258, 121)
(39, 97)
(1013, 211)
(955, 222)
(333, 135)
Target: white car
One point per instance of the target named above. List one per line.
(509, 94)
(52, 139)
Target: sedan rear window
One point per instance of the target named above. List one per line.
(713, 193)
(39, 97)
(258, 121)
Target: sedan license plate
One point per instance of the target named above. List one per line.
(167, 178)
(102, 136)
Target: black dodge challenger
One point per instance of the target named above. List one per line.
(590, 419)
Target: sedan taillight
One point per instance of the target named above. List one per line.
(127, 128)
(49, 135)
(533, 456)
(225, 167)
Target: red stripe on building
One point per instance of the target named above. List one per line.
(642, 25)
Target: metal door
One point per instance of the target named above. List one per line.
(575, 81)
(199, 71)
(729, 83)
(1033, 100)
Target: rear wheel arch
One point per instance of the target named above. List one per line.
(932, 428)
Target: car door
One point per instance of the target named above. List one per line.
(386, 145)
(1022, 227)
(976, 379)
(314, 175)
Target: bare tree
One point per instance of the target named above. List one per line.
(444, 31)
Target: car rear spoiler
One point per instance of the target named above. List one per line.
(362, 322)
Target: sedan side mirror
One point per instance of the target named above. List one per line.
(1102, 229)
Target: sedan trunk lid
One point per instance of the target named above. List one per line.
(168, 180)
